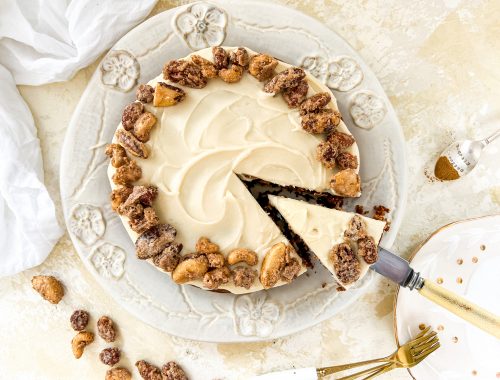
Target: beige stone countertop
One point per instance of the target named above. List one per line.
(438, 63)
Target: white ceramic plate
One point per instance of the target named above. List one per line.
(464, 257)
(98, 234)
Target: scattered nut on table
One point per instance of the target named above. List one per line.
(79, 320)
(110, 356)
(49, 287)
(118, 374)
(106, 329)
(173, 371)
(80, 341)
(148, 371)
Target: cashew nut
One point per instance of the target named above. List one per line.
(143, 126)
(49, 288)
(242, 254)
(273, 264)
(78, 343)
(231, 75)
(190, 269)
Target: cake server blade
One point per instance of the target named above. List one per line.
(394, 268)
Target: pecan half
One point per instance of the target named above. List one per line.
(145, 221)
(326, 154)
(117, 154)
(239, 57)
(186, 73)
(79, 320)
(106, 329)
(110, 356)
(262, 66)
(208, 69)
(244, 277)
(346, 160)
(148, 371)
(367, 249)
(173, 371)
(286, 79)
(294, 96)
(144, 93)
(315, 103)
(131, 143)
(167, 95)
(127, 174)
(169, 257)
(345, 263)
(322, 121)
(154, 241)
(340, 140)
(221, 58)
(119, 196)
(131, 113)
(143, 126)
(356, 229)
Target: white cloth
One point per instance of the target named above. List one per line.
(43, 41)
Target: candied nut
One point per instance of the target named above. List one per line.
(49, 287)
(167, 95)
(322, 121)
(204, 245)
(216, 277)
(379, 213)
(367, 249)
(208, 69)
(239, 255)
(118, 374)
(262, 66)
(154, 241)
(79, 320)
(169, 257)
(132, 211)
(145, 93)
(80, 341)
(356, 229)
(119, 196)
(131, 143)
(144, 195)
(291, 269)
(294, 96)
(143, 126)
(130, 114)
(190, 269)
(346, 160)
(117, 154)
(106, 329)
(186, 73)
(326, 154)
(173, 371)
(126, 174)
(286, 79)
(244, 277)
(315, 103)
(346, 183)
(231, 75)
(273, 264)
(215, 260)
(110, 356)
(221, 58)
(340, 140)
(148, 371)
(345, 263)
(239, 57)
(143, 223)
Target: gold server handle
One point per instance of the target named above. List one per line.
(462, 308)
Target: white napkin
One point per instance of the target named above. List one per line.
(43, 41)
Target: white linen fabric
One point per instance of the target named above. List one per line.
(43, 41)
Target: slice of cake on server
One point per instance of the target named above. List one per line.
(346, 243)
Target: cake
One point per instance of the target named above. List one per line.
(345, 243)
(215, 114)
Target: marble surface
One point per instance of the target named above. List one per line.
(437, 61)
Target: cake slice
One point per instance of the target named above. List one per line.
(346, 243)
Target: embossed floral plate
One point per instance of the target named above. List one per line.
(464, 258)
(98, 234)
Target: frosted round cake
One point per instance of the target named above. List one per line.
(176, 156)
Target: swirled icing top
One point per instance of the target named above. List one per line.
(199, 144)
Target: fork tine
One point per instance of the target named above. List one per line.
(421, 356)
(424, 345)
(422, 339)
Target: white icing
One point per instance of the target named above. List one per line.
(321, 228)
(222, 129)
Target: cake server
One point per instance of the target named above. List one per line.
(398, 270)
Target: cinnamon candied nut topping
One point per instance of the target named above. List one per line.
(148, 371)
(315, 103)
(345, 263)
(239, 57)
(294, 96)
(144, 93)
(166, 95)
(169, 258)
(130, 114)
(215, 260)
(127, 174)
(208, 69)
(117, 154)
(173, 371)
(285, 79)
(346, 183)
(204, 245)
(326, 153)
(190, 268)
(320, 122)
(221, 58)
(154, 241)
(346, 160)
(186, 73)
(110, 356)
(356, 229)
(244, 277)
(217, 277)
(143, 126)
(131, 143)
(232, 74)
(144, 222)
(142, 194)
(340, 140)
(291, 269)
(379, 213)
(79, 320)
(262, 66)
(119, 195)
(367, 249)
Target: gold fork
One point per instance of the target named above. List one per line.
(408, 355)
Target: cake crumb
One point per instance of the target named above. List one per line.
(379, 213)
